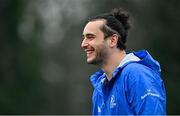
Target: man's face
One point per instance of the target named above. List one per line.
(94, 45)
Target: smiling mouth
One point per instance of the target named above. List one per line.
(89, 51)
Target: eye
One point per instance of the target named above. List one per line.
(83, 37)
(90, 37)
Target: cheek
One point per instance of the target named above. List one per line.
(99, 45)
(101, 49)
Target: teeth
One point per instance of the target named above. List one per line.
(87, 50)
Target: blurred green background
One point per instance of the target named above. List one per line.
(43, 70)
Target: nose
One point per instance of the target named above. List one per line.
(84, 43)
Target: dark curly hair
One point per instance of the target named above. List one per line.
(116, 22)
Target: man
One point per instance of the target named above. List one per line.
(127, 84)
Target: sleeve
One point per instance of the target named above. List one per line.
(145, 92)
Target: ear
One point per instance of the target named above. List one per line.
(114, 40)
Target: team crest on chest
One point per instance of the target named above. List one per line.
(112, 102)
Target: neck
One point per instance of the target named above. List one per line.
(112, 62)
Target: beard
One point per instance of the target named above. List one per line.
(100, 55)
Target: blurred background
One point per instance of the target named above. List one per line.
(43, 70)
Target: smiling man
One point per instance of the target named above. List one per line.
(127, 84)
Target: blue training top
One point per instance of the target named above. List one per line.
(136, 88)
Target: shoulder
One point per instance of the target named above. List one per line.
(139, 74)
(135, 65)
(135, 69)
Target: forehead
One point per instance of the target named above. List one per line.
(93, 27)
